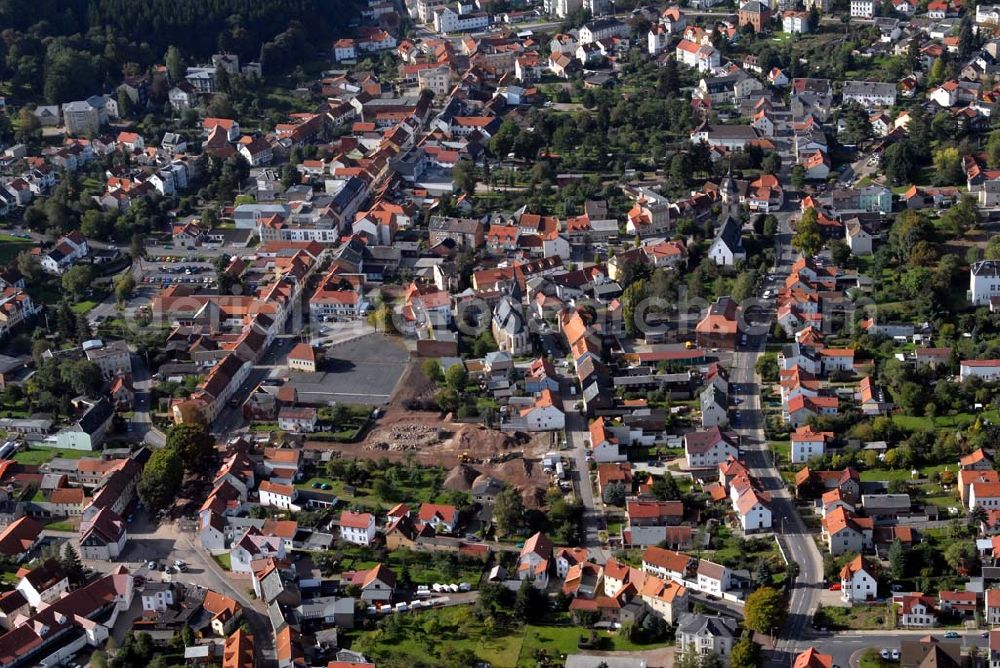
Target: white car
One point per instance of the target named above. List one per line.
(464, 586)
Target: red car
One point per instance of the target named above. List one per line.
(835, 586)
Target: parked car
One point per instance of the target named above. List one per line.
(951, 635)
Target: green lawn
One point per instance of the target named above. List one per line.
(561, 635)
(424, 636)
(783, 451)
(83, 307)
(914, 423)
(61, 525)
(872, 659)
(857, 617)
(424, 567)
(224, 560)
(420, 637)
(37, 455)
(875, 475)
(423, 486)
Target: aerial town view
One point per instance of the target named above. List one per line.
(499, 334)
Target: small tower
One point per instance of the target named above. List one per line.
(729, 193)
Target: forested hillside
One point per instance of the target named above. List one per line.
(82, 45)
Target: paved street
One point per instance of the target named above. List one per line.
(577, 435)
(847, 648)
(166, 542)
(795, 539)
(142, 427)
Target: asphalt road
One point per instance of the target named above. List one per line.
(796, 540)
(847, 648)
(577, 434)
(142, 426)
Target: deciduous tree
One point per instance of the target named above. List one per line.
(765, 610)
(160, 478)
(808, 239)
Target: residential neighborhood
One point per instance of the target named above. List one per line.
(545, 334)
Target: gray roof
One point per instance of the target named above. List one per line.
(869, 88)
(989, 268)
(594, 661)
(731, 235)
(713, 395)
(96, 416)
(508, 316)
(717, 626)
(885, 501)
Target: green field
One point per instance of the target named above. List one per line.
(224, 560)
(425, 486)
(38, 456)
(422, 636)
(561, 635)
(424, 567)
(427, 635)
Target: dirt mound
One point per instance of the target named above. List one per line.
(478, 440)
(461, 478)
(403, 437)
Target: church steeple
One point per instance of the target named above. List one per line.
(730, 193)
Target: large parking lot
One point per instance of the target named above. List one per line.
(362, 371)
(190, 270)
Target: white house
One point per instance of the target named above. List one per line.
(343, 49)
(278, 496)
(863, 9)
(703, 634)
(357, 528)
(857, 581)
(984, 282)
(103, 536)
(858, 238)
(605, 443)
(535, 561)
(44, 584)
(795, 22)
(713, 578)
(870, 93)
(714, 407)
(535, 414)
(807, 444)
(253, 546)
(915, 609)
(754, 511)
(708, 448)
(988, 370)
(65, 253)
(984, 494)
